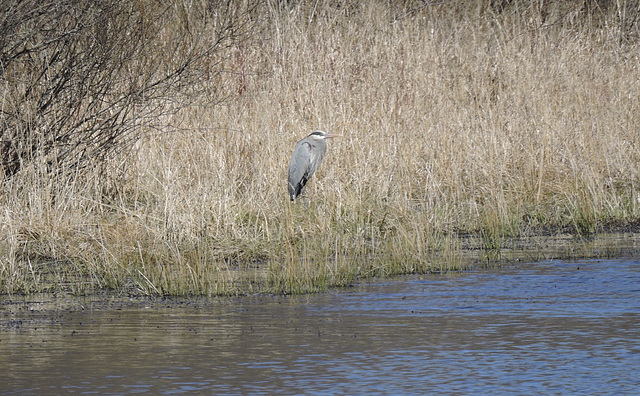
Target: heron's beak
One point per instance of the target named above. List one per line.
(331, 135)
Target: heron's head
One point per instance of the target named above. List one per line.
(321, 135)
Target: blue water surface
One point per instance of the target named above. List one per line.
(554, 327)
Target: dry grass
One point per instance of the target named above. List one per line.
(455, 120)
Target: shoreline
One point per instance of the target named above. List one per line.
(617, 243)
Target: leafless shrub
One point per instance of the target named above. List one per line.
(79, 77)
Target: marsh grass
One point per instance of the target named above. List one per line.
(458, 121)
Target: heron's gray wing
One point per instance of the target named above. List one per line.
(317, 150)
(299, 168)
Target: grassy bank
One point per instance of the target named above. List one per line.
(457, 119)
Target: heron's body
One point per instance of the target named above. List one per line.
(305, 161)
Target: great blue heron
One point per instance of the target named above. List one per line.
(306, 159)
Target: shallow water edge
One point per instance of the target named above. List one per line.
(515, 250)
(469, 255)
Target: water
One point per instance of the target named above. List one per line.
(552, 327)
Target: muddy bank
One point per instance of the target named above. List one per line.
(621, 242)
(471, 254)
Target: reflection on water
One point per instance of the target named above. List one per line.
(551, 327)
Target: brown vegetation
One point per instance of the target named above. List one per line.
(161, 168)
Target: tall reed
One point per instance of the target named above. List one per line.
(456, 119)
